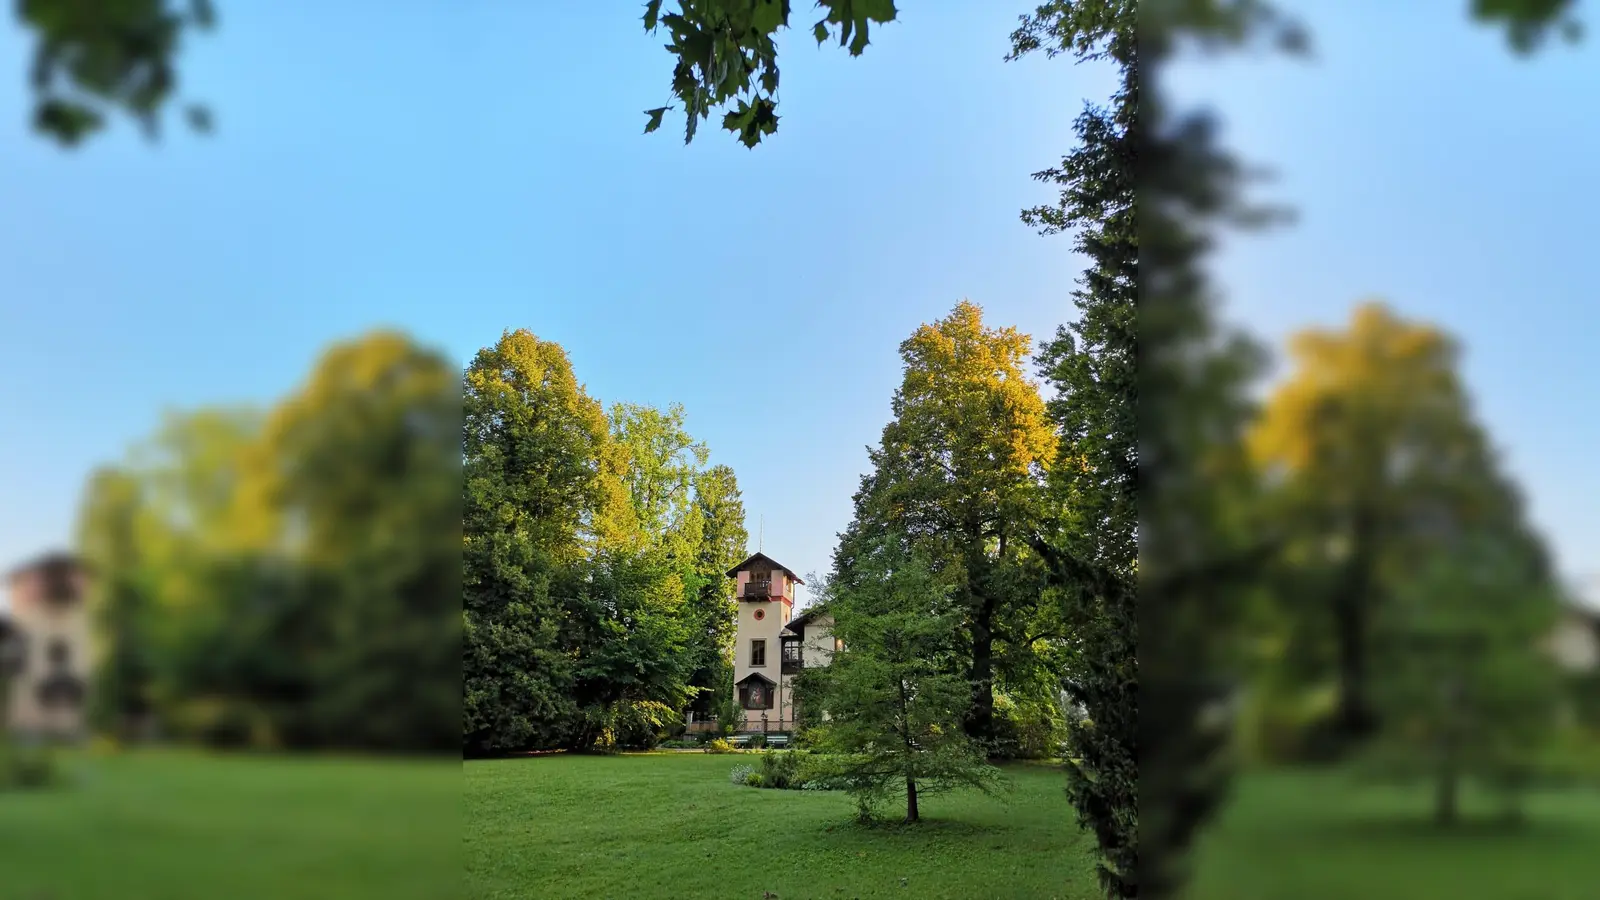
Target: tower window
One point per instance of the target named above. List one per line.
(758, 653)
(760, 614)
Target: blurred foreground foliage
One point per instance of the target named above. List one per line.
(289, 577)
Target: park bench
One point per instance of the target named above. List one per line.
(777, 740)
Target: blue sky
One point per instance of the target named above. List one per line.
(457, 169)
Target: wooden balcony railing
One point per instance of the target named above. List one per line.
(756, 589)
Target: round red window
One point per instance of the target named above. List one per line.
(760, 614)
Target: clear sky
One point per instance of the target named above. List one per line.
(455, 169)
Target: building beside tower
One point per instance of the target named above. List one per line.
(772, 645)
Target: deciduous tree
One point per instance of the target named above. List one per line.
(957, 473)
(1464, 680)
(542, 488)
(1370, 448)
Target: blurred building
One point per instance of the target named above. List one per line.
(46, 635)
(1576, 642)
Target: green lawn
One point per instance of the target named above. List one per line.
(670, 825)
(1324, 836)
(189, 826)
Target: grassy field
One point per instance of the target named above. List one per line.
(1322, 836)
(672, 826)
(188, 826)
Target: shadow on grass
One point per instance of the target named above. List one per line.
(926, 827)
(1414, 828)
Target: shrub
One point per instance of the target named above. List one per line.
(754, 780)
(780, 770)
(26, 767)
(818, 772)
(757, 741)
(729, 715)
(718, 745)
(740, 773)
(1030, 729)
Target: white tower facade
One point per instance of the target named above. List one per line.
(764, 660)
(49, 628)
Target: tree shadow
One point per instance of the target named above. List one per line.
(1422, 828)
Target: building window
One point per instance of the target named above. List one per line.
(760, 614)
(758, 653)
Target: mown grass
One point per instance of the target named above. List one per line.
(671, 825)
(193, 826)
(1327, 836)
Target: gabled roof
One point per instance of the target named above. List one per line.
(49, 562)
(797, 625)
(771, 563)
(755, 675)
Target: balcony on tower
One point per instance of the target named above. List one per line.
(761, 578)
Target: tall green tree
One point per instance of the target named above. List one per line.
(109, 542)
(1369, 445)
(630, 642)
(289, 578)
(1199, 555)
(1197, 565)
(582, 539)
(895, 696)
(723, 544)
(692, 516)
(957, 472)
(1088, 536)
(661, 464)
(542, 488)
(193, 480)
(1464, 682)
(363, 475)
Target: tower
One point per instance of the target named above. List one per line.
(765, 660)
(49, 632)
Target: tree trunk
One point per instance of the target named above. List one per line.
(979, 723)
(1354, 719)
(1446, 800)
(911, 799)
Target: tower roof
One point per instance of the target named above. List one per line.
(756, 558)
(51, 563)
